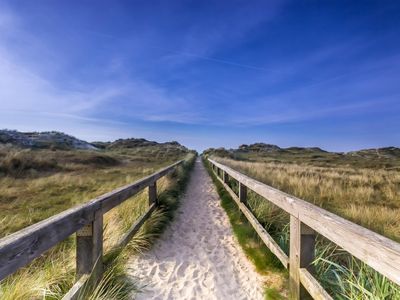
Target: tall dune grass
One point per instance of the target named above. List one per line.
(39, 195)
(369, 197)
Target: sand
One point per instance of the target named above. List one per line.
(198, 256)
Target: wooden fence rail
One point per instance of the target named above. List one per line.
(21, 247)
(306, 219)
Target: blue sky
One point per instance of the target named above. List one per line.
(204, 73)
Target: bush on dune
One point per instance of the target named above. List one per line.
(17, 163)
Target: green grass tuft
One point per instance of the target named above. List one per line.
(272, 294)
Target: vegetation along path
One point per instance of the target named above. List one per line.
(197, 257)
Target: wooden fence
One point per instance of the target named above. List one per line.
(21, 247)
(306, 219)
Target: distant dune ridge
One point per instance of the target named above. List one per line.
(49, 139)
(263, 147)
(135, 143)
(60, 140)
(247, 152)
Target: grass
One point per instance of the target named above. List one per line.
(32, 191)
(373, 158)
(273, 294)
(368, 196)
(347, 278)
(255, 250)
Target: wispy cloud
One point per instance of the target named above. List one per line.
(210, 67)
(297, 114)
(24, 89)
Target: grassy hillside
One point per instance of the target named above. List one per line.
(362, 186)
(383, 158)
(36, 183)
(359, 186)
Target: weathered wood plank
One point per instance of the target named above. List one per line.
(152, 193)
(225, 177)
(242, 192)
(307, 253)
(263, 234)
(308, 239)
(77, 288)
(377, 251)
(312, 286)
(89, 248)
(118, 196)
(21, 247)
(136, 226)
(294, 258)
(302, 251)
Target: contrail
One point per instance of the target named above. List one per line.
(207, 58)
(227, 62)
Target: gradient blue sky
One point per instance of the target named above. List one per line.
(204, 73)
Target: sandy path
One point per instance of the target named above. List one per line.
(197, 257)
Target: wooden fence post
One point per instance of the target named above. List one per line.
(153, 193)
(89, 248)
(302, 251)
(225, 177)
(242, 192)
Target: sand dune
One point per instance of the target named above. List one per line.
(197, 257)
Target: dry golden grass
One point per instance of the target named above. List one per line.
(369, 197)
(30, 192)
(362, 190)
